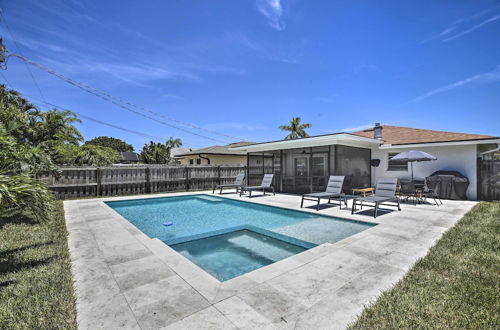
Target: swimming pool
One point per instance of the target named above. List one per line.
(191, 218)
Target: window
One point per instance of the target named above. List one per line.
(396, 165)
(191, 162)
(319, 164)
(198, 161)
(301, 166)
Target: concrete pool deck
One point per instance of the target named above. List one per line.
(124, 279)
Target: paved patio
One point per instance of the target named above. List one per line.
(124, 279)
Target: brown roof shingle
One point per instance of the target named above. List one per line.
(407, 135)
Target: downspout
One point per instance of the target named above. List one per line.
(208, 159)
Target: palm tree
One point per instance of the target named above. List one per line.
(173, 143)
(296, 129)
(57, 127)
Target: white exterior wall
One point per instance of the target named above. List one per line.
(449, 158)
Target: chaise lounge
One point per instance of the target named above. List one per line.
(333, 190)
(238, 183)
(385, 192)
(266, 184)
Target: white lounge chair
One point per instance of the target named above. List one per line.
(238, 183)
(385, 192)
(333, 190)
(266, 184)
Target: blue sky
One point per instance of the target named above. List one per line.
(245, 67)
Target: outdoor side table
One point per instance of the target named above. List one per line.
(363, 191)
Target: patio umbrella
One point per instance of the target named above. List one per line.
(414, 156)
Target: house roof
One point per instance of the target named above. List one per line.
(219, 150)
(397, 135)
(174, 152)
(129, 156)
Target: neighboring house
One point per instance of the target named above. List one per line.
(303, 165)
(129, 157)
(174, 152)
(215, 155)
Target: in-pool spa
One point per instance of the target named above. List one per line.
(228, 238)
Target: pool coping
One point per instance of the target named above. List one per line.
(386, 253)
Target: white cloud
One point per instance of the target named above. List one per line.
(466, 25)
(473, 28)
(273, 11)
(482, 78)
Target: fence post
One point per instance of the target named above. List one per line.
(187, 178)
(98, 174)
(218, 175)
(148, 180)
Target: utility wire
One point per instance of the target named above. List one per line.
(87, 117)
(114, 102)
(108, 124)
(20, 53)
(113, 99)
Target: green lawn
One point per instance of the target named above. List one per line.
(36, 290)
(457, 285)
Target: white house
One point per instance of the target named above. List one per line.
(303, 165)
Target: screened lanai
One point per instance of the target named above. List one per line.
(306, 169)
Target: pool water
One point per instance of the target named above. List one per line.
(236, 253)
(224, 227)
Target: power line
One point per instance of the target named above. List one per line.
(114, 99)
(19, 50)
(108, 124)
(88, 117)
(105, 123)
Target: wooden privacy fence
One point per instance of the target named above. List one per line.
(127, 180)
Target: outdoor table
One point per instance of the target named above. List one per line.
(363, 191)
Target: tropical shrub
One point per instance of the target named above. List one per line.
(24, 193)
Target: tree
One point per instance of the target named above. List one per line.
(158, 153)
(155, 153)
(296, 129)
(27, 140)
(91, 155)
(56, 127)
(111, 142)
(96, 156)
(172, 143)
(27, 124)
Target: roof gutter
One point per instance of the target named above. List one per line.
(312, 141)
(490, 151)
(439, 144)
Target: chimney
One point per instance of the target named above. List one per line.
(377, 131)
